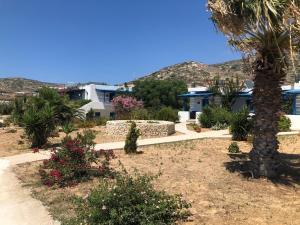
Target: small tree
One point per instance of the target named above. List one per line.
(228, 89)
(131, 139)
(39, 124)
(90, 115)
(125, 105)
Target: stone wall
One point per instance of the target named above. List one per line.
(148, 128)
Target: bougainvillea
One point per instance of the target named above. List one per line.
(124, 105)
(73, 161)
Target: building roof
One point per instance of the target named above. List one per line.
(203, 94)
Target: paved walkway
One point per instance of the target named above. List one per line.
(17, 207)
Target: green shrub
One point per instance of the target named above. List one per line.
(6, 108)
(214, 115)
(241, 125)
(219, 126)
(101, 121)
(39, 124)
(131, 139)
(85, 123)
(74, 161)
(90, 115)
(87, 138)
(7, 121)
(68, 128)
(18, 111)
(140, 114)
(167, 114)
(284, 124)
(130, 200)
(234, 148)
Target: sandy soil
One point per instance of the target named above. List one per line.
(197, 170)
(12, 143)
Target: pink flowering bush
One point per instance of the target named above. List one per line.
(124, 105)
(75, 160)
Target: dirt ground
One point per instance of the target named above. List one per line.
(197, 170)
(13, 141)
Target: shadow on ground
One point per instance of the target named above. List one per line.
(288, 171)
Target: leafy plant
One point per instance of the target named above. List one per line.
(18, 111)
(219, 126)
(228, 89)
(140, 114)
(125, 105)
(284, 124)
(160, 93)
(241, 125)
(74, 161)
(39, 124)
(90, 115)
(130, 200)
(68, 128)
(6, 108)
(214, 115)
(234, 148)
(167, 114)
(131, 139)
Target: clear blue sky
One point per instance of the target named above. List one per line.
(104, 40)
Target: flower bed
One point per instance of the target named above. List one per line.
(148, 128)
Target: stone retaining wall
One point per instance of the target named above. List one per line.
(148, 128)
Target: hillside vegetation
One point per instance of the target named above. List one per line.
(21, 84)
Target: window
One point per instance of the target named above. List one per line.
(97, 114)
(112, 115)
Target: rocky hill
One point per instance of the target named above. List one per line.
(195, 73)
(18, 84)
(199, 74)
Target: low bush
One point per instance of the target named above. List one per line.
(234, 148)
(241, 125)
(131, 139)
(167, 114)
(7, 122)
(284, 124)
(84, 123)
(68, 128)
(130, 200)
(219, 126)
(101, 121)
(74, 161)
(214, 115)
(6, 108)
(194, 127)
(140, 114)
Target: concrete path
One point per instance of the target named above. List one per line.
(17, 207)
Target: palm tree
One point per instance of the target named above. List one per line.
(268, 31)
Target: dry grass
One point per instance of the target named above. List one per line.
(12, 143)
(196, 170)
(16, 143)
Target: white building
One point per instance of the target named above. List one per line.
(101, 97)
(200, 97)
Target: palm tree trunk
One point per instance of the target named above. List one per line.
(267, 105)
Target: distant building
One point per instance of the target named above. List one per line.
(200, 97)
(101, 97)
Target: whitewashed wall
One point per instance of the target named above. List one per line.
(184, 116)
(295, 119)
